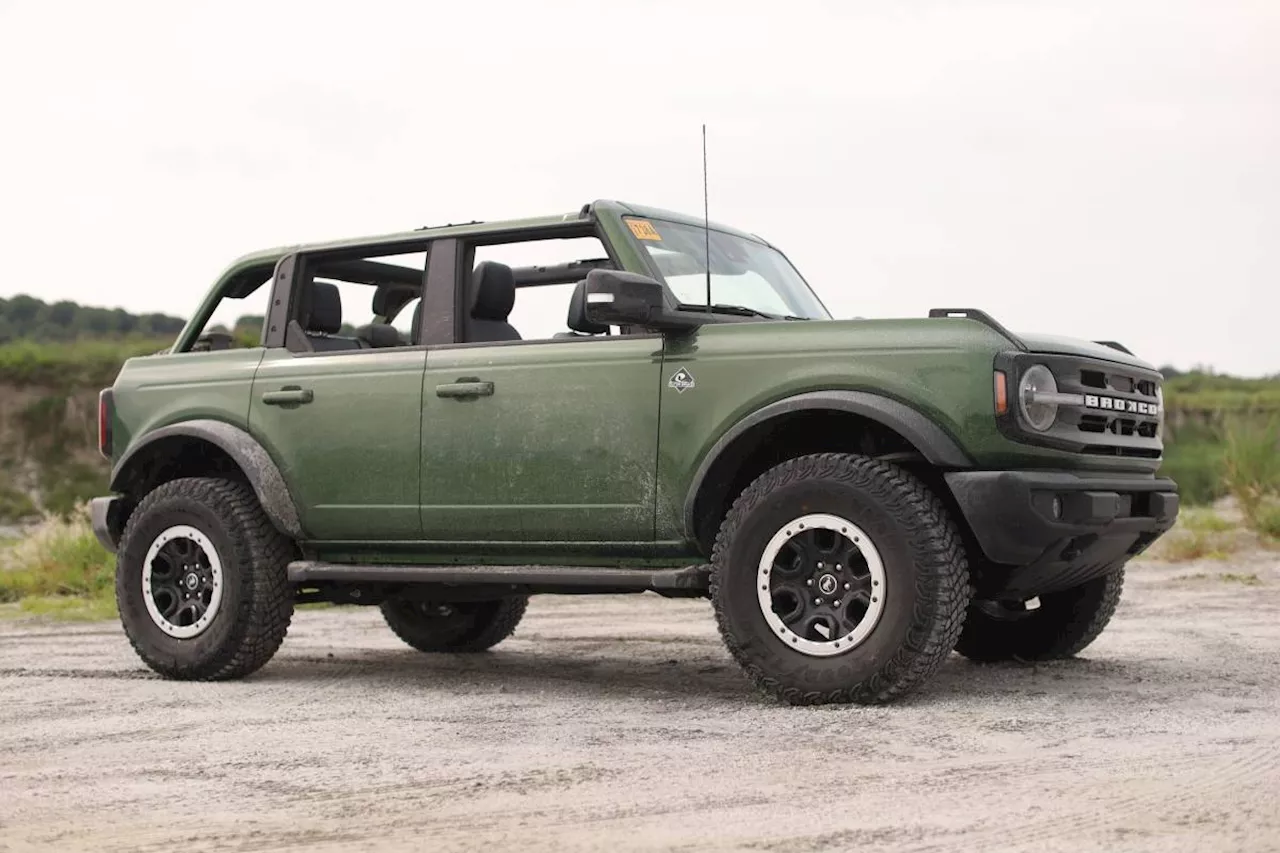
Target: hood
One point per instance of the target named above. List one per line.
(1074, 346)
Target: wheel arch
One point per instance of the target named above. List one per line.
(858, 421)
(203, 447)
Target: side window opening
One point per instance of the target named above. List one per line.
(536, 293)
(236, 321)
(345, 303)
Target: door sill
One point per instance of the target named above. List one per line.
(686, 580)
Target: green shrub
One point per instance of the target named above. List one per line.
(64, 487)
(1209, 392)
(59, 557)
(83, 363)
(1252, 466)
(1195, 459)
(15, 504)
(1266, 519)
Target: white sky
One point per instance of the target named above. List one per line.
(1104, 169)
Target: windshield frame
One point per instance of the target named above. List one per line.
(817, 311)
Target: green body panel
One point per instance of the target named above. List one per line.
(1074, 346)
(945, 374)
(158, 390)
(564, 450)
(584, 453)
(349, 457)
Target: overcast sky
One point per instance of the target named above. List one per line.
(1103, 169)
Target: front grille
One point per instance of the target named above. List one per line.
(1102, 426)
(1110, 409)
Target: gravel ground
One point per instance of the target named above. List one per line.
(620, 723)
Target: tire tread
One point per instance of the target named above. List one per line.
(265, 610)
(942, 584)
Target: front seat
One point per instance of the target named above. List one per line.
(493, 295)
(577, 318)
(324, 319)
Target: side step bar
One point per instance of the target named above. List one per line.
(582, 577)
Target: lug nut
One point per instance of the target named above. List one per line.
(846, 586)
(817, 601)
(837, 604)
(809, 582)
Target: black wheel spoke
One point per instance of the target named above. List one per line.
(790, 560)
(821, 627)
(851, 613)
(788, 601)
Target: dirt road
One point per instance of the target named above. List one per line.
(621, 723)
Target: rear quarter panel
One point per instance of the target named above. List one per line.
(157, 390)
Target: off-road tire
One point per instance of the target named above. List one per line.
(1061, 627)
(471, 626)
(257, 604)
(926, 570)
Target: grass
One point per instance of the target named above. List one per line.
(1251, 471)
(1208, 392)
(61, 608)
(1267, 520)
(60, 559)
(1195, 459)
(71, 364)
(1200, 534)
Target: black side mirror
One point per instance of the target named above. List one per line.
(617, 298)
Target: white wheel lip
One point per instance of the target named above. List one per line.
(183, 632)
(843, 527)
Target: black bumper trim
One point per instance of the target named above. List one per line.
(1055, 529)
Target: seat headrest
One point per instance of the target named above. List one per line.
(415, 327)
(379, 335)
(577, 319)
(325, 314)
(389, 300)
(493, 291)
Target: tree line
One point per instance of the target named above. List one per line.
(25, 317)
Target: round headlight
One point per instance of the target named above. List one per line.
(1037, 380)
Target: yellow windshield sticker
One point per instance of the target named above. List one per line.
(643, 229)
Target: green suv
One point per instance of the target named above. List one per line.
(446, 421)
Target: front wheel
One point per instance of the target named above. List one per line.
(472, 626)
(839, 578)
(1059, 625)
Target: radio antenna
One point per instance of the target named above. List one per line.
(706, 214)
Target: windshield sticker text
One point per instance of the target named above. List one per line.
(643, 230)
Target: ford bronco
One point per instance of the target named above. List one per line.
(446, 421)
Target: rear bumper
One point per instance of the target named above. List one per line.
(1052, 530)
(103, 517)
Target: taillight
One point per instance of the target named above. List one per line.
(104, 422)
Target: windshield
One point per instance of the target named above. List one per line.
(744, 273)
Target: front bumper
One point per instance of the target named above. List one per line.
(103, 515)
(1045, 531)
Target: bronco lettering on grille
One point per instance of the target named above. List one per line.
(1115, 404)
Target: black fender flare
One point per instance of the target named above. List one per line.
(252, 458)
(937, 447)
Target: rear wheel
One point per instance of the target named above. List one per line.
(838, 578)
(200, 580)
(472, 626)
(1056, 625)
